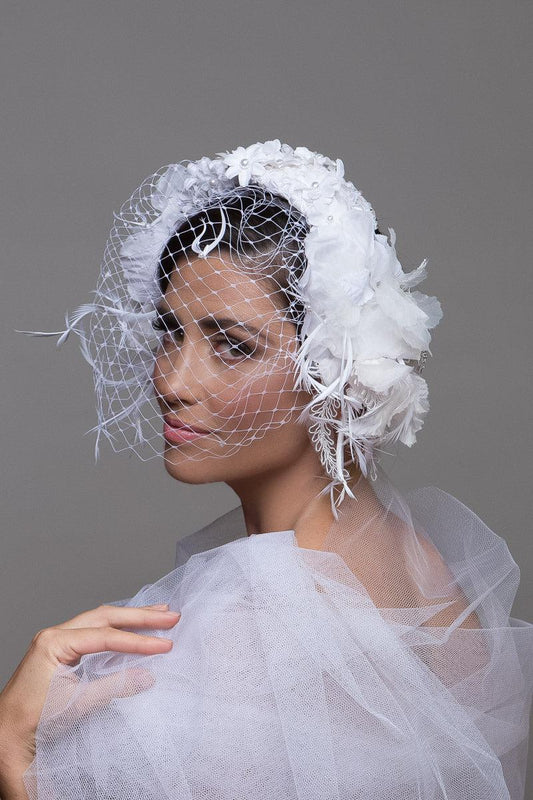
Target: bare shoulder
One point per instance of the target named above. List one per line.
(437, 567)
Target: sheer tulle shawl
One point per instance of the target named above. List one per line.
(383, 666)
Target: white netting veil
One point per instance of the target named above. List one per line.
(208, 329)
(248, 292)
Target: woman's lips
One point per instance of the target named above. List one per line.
(177, 433)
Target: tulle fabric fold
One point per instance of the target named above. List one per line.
(383, 666)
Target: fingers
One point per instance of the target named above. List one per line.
(78, 699)
(95, 640)
(67, 647)
(75, 700)
(121, 684)
(123, 616)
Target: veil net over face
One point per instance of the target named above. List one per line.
(244, 293)
(216, 341)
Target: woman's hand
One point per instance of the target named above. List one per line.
(22, 698)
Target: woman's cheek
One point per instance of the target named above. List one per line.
(252, 402)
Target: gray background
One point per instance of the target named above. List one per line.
(427, 103)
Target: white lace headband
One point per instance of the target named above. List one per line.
(364, 334)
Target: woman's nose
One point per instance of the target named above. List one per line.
(179, 375)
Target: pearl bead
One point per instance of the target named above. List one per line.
(244, 162)
(315, 184)
(330, 217)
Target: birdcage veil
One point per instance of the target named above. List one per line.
(328, 330)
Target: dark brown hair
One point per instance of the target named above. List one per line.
(265, 232)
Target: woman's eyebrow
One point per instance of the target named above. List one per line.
(212, 323)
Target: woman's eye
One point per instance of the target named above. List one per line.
(158, 324)
(236, 348)
(233, 348)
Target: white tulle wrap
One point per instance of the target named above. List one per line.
(383, 666)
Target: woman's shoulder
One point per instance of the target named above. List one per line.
(426, 548)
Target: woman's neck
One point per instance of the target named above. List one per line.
(287, 499)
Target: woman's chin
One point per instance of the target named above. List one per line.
(187, 468)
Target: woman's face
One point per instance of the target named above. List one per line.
(224, 365)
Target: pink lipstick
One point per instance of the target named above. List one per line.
(177, 432)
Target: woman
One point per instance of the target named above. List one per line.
(355, 642)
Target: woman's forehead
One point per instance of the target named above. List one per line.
(216, 285)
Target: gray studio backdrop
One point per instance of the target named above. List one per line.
(427, 104)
